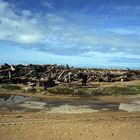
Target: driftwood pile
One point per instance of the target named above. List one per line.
(59, 73)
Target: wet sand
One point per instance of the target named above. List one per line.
(19, 103)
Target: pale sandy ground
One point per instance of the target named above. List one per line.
(102, 125)
(92, 126)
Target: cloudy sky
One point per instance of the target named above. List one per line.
(83, 33)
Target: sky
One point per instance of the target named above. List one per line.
(81, 33)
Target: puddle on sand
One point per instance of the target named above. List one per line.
(131, 107)
(72, 109)
(33, 105)
(30, 104)
(6, 100)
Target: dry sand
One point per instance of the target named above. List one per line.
(87, 126)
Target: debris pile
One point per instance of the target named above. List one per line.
(60, 73)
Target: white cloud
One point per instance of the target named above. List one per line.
(26, 13)
(125, 30)
(101, 55)
(132, 8)
(121, 31)
(15, 28)
(53, 30)
(54, 19)
(48, 4)
(28, 38)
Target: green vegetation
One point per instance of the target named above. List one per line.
(10, 87)
(63, 90)
(66, 91)
(125, 90)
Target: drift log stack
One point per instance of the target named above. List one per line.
(61, 74)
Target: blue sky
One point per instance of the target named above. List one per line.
(83, 33)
